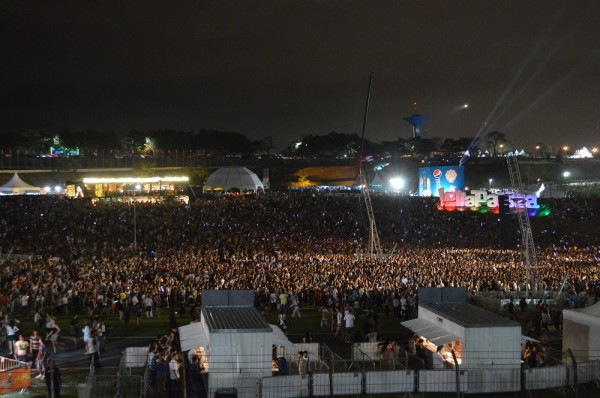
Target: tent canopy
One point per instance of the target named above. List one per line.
(377, 181)
(17, 186)
(430, 331)
(192, 336)
(279, 338)
(228, 179)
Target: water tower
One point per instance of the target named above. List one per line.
(416, 121)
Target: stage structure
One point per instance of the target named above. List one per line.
(533, 277)
(374, 244)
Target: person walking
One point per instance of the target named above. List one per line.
(349, 321)
(21, 349)
(295, 306)
(34, 345)
(11, 337)
(174, 376)
(92, 351)
(324, 318)
(40, 359)
(339, 323)
(53, 331)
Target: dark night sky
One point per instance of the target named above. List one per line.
(290, 68)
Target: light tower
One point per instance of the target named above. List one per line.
(416, 121)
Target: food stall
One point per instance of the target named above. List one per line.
(486, 345)
(130, 189)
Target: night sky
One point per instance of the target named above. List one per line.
(286, 69)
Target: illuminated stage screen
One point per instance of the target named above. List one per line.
(451, 178)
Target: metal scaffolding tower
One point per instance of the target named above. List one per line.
(374, 244)
(527, 245)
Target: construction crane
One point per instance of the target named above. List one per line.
(374, 244)
(527, 245)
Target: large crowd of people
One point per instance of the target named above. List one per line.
(302, 244)
(69, 257)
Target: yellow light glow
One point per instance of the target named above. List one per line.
(133, 180)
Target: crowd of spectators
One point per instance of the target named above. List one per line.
(304, 244)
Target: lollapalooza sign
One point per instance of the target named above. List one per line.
(478, 199)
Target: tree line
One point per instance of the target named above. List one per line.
(214, 142)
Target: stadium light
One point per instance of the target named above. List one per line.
(397, 183)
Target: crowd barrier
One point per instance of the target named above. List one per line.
(370, 350)
(471, 381)
(296, 386)
(587, 372)
(390, 382)
(442, 381)
(14, 375)
(135, 357)
(111, 386)
(544, 378)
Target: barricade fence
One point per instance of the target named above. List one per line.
(111, 386)
(367, 372)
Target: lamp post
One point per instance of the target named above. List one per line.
(137, 188)
(490, 181)
(134, 226)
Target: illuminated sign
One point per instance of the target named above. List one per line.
(481, 199)
(63, 151)
(448, 178)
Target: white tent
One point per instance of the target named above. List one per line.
(377, 182)
(227, 179)
(581, 332)
(16, 186)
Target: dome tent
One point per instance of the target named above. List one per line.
(232, 179)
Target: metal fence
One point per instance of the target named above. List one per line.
(367, 373)
(111, 386)
(20, 161)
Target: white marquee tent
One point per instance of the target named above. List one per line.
(16, 186)
(581, 332)
(377, 182)
(228, 179)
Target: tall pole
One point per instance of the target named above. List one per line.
(364, 126)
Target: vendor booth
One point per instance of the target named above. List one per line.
(131, 189)
(581, 332)
(486, 345)
(233, 342)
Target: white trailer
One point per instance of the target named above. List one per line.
(487, 345)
